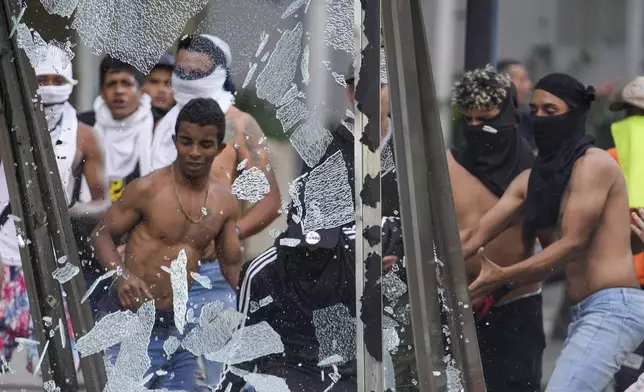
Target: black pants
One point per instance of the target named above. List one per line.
(511, 342)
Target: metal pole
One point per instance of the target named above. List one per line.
(368, 214)
(426, 203)
(480, 33)
(37, 197)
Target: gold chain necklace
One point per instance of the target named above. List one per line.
(204, 210)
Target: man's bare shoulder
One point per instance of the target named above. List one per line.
(597, 165)
(150, 184)
(221, 192)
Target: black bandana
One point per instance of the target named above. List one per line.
(561, 140)
(496, 158)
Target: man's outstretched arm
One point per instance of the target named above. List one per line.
(589, 189)
(254, 147)
(505, 213)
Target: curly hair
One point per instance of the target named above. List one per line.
(482, 88)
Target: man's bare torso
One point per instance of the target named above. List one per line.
(472, 201)
(606, 261)
(164, 231)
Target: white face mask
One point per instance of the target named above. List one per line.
(55, 94)
(211, 86)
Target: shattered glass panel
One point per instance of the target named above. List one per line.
(335, 330)
(392, 286)
(202, 280)
(132, 361)
(179, 281)
(63, 8)
(311, 140)
(36, 48)
(135, 31)
(291, 113)
(279, 72)
(248, 343)
(386, 159)
(252, 185)
(213, 332)
(327, 196)
(294, 7)
(266, 382)
(339, 31)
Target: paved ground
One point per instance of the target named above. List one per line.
(552, 295)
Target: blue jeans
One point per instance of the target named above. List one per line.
(200, 296)
(181, 368)
(606, 327)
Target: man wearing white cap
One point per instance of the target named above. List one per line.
(77, 149)
(201, 71)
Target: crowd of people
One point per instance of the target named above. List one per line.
(147, 176)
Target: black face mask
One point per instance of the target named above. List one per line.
(495, 153)
(561, 141)
(550, 133)
(483, 139)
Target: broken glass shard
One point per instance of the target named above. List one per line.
(241, 165)
(339, 30)
(251, 185)
(295, 5)
(134, 31)
(262, 43)
(202, 280)
(65, 273)
(266, 382)
(279, 71)
(248, 343)
(133, 360)
(91, 289)
(335, 330)
(265, 301)
(339, 79)
(327, 196)
(179, 282)
(50, 386)
(64, 8)
(304, 66)
(215, 329)
(171, 345)
(291, 113)
(249, 76)
(290, 242)
(311, 140)
(392, 286)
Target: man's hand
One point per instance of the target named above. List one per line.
(490, 278)
(638, 223)
(388, 261)
(132, 291)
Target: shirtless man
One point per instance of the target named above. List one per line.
(179, 207)
(202, 71)
(493, 156)
(575, 200)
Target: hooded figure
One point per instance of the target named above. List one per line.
(60, 114)
(561, 140)
(189, 83)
